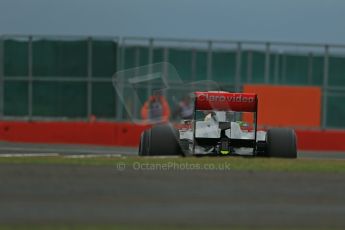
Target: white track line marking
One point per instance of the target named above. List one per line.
(164, 157)
(92, 155)
(57, 154)
(68, 150)
(29, 155)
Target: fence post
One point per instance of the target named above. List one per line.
(325, 87)
(118, 53)
(310, 68)
(267, 63)
(284, 64)
(2, 60)
(166, 61)
(117, 69)
(276, 68)
(193, 65)
(249, 66)
(209, 61)
(135, 111)
(89, 77)
(30, 82)
(238, 67)
(150, 60)
(150, 57)
(119, 107)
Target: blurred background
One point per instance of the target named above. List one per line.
(57, 58)
(68, 142)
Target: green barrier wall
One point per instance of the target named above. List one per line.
(59, 58)
(336, 71)
(65, 99)
(103, 100)
(15, 58)
(16, 98)
(104, 58)
(65, 63)
(335, 110)
(224, 66)
(182, 61)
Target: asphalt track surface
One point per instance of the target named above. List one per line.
(94, 194)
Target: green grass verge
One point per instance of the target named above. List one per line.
(202, 163)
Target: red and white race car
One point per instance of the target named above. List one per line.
(224, 124)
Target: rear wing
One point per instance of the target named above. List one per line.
(225, 101)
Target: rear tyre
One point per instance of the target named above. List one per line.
(281, 142)
(160, 140)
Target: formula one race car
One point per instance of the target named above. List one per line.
(224, 124)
